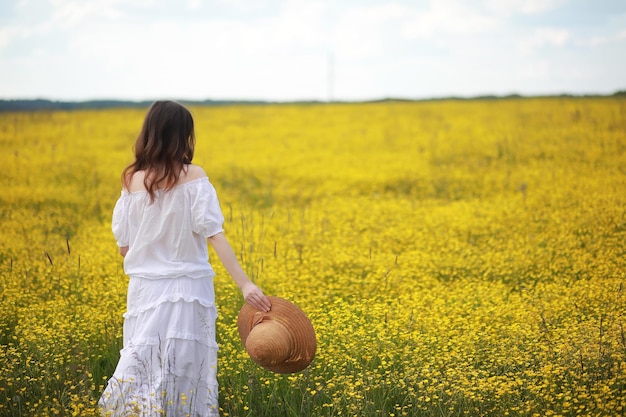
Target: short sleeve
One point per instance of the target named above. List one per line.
(207, 217)
(119, 223)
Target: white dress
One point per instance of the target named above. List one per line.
(168, 364)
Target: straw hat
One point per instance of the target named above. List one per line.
(281, 340)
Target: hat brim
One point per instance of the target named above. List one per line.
(304, 344)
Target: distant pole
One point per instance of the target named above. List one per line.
(330, 79)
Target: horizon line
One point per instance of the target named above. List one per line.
(47, 103)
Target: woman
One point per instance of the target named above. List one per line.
(167, 212)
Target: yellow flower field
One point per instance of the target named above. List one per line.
(457, 258)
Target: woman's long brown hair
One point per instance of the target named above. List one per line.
(163, 148)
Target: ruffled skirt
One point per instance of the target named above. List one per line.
(168, 365)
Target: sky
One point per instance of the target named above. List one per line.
(286, 50)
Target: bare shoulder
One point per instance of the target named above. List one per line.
(190, 173)
(193, 172)
(136, 181)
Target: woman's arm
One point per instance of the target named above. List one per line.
(123, 250)
(251, 293)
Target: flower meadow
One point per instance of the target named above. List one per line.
(456, 258)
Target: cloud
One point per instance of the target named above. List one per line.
(448, 18)
(542, 37)
(70, 13)
(7, 34)
(601, 40)
(194, 4)
(513, 7)
(361, 32)
(54, 16)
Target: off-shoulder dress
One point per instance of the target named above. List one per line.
(168, 364)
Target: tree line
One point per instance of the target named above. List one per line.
(44, 104)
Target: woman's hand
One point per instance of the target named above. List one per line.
(255, 297)
(251, 293)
